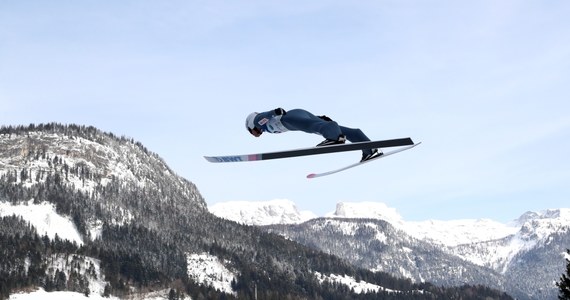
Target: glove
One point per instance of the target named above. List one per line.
(280, 111)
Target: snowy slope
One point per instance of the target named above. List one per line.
(209, 270)
(69, 264)
(533, 229)
(45, 220)
(483, 242)
(261, 213)
(43, 295)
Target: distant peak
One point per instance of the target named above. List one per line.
(553, 214)
(373, 210)
(278, 211)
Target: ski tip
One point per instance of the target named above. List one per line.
(312, 175)
(210, 159)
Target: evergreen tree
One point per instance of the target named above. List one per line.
(172, 295)
(564, 284)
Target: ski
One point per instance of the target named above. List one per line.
(315, 175)
(311, 151)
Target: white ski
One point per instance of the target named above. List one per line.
(315, 175)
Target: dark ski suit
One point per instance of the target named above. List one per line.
(279, 120)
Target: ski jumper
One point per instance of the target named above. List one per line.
(302, 120)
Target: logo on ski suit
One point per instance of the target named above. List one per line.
(273, 124)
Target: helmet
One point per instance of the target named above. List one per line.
(249, 121)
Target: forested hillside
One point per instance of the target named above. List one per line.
(139, 223)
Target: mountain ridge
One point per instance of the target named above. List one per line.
(494, 246)
(490, 229)
(278, 211)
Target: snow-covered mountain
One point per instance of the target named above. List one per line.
(448, 233)
(88, 212)
(279, 211)
(523, 234)
(508, 252)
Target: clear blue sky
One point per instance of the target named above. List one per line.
(484, 85)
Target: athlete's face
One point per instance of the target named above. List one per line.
(255, 132)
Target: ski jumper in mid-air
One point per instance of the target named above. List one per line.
(279, 120)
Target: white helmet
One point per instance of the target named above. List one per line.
(249, 121)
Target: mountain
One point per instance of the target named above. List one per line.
(86, 211)
(261, 213)
(524, 257)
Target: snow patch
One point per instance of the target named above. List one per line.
(207, 269)
(41, 294)
(359, 287)
(95, 229)
(83, 265)
(347, 228)
(44, 218)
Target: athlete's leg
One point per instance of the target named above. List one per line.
(356, 135)
(302, 120)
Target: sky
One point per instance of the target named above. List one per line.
(484, 85)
